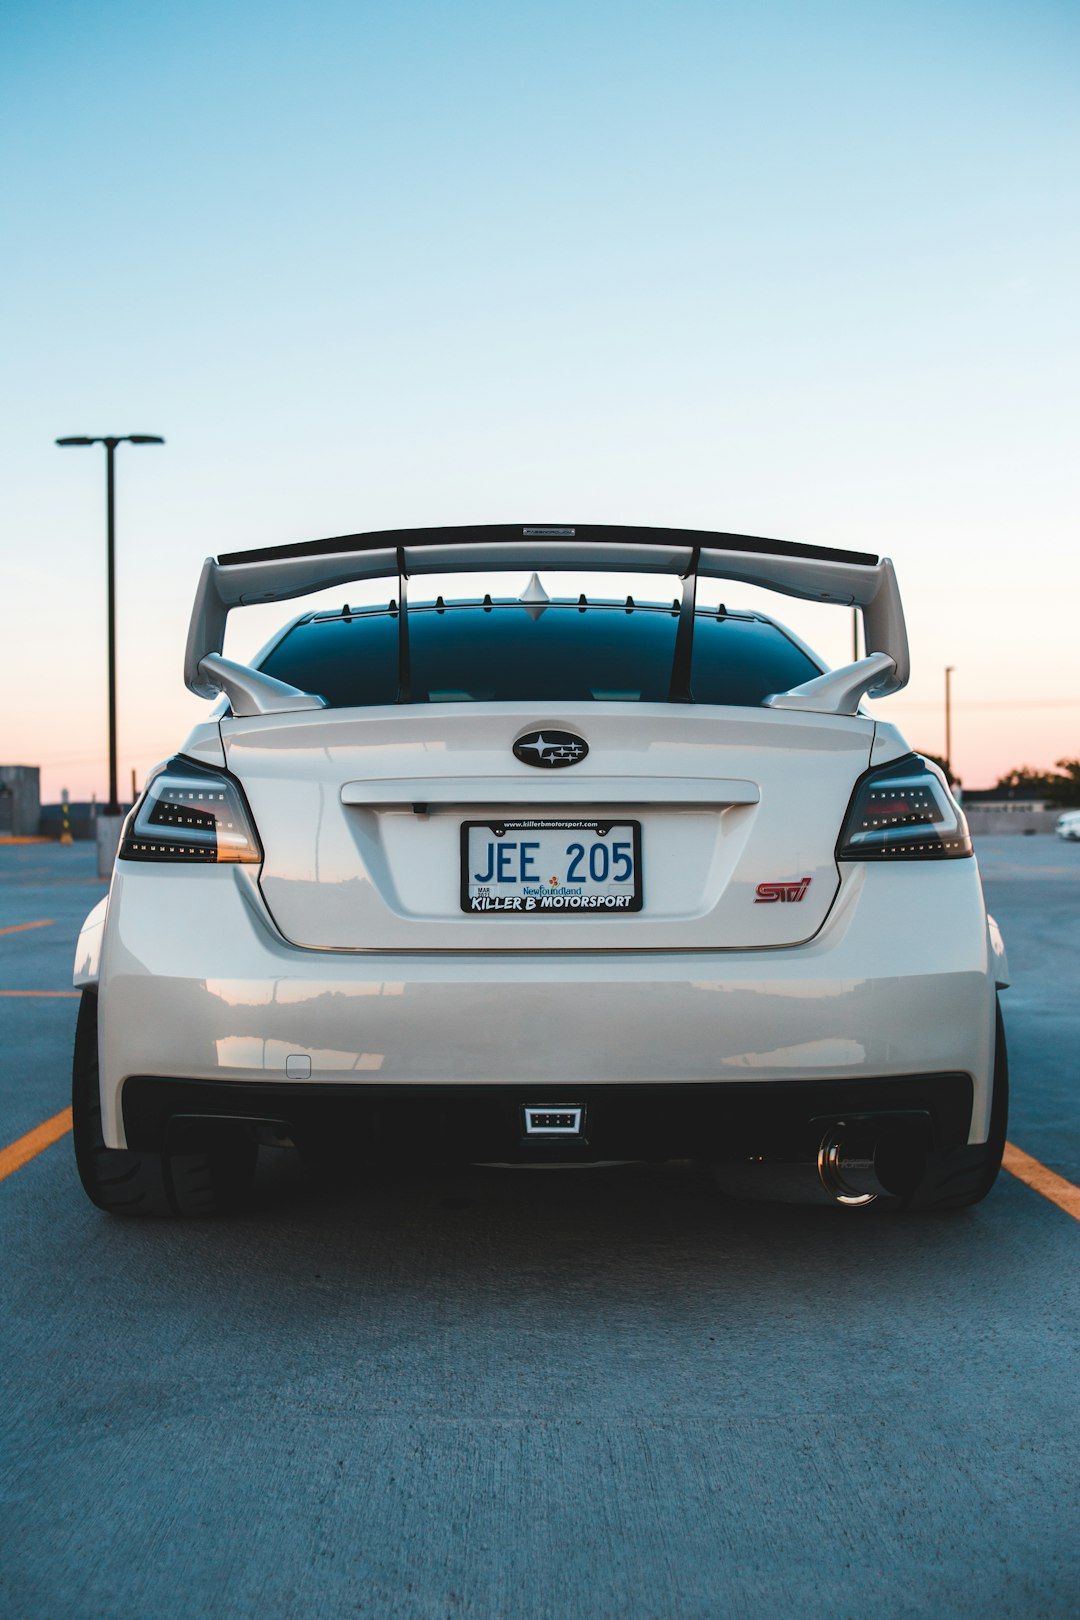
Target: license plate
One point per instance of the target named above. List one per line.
(548, 868)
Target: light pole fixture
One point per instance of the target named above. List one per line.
(110, 443)
(950, 670)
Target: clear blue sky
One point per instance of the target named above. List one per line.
(807, 270)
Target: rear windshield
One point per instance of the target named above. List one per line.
(470, 653)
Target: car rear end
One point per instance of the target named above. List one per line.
(558, 900)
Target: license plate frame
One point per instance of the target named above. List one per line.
(594, 898)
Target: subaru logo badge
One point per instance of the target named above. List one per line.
(550, 749)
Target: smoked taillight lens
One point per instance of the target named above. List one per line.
(904, 811)
(190, 813)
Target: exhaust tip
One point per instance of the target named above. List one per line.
(847, 1165)
(857, 1160)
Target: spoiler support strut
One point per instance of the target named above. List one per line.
(404, 664)
(682, 662)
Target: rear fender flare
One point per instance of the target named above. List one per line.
(88, 950)
(998, 958)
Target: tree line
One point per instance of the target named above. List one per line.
(1060, 788)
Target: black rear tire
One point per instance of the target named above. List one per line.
(210, 1179)
(964, 1177)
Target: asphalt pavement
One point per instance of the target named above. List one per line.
(550, 1394)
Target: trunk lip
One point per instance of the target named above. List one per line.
(451, 791)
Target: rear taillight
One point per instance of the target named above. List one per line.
(904, 811)
(190, 813)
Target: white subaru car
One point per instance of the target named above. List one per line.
(544, 879)
(1068, 826)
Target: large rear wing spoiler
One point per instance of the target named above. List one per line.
(814, 573)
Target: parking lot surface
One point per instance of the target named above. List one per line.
(488, 1393)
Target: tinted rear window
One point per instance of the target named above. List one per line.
(469, 654)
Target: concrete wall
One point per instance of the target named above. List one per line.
(994, 819)
(20, 801)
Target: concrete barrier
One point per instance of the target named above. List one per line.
(987, 820)
(108, 842)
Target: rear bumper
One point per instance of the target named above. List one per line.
(196, 986)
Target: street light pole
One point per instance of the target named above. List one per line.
(110, 443)
(110, 529)
(949, 671)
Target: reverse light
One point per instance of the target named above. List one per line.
(190, 813)
(904, 811)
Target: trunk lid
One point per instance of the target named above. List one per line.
(360, 814)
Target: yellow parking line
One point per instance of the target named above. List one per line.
(40, 992)
(34, 1142)
(1041, 1180)
(17, 928)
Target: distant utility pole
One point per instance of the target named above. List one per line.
(110, 443)
(949, 671)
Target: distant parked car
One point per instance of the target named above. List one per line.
(544, 879)
(1068, 826)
